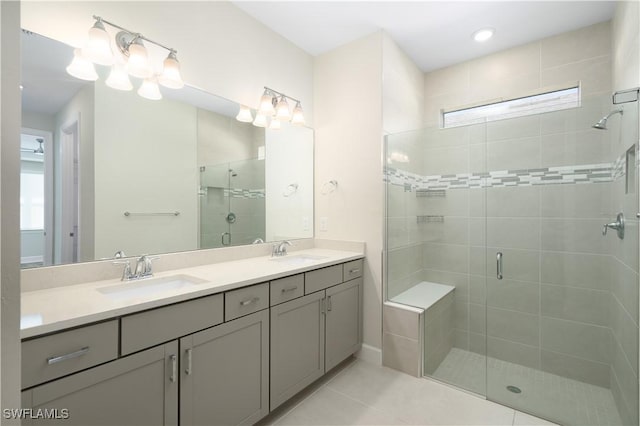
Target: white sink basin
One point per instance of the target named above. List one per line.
(148, 286)
(298, 259)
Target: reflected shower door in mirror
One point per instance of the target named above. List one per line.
(123, 173)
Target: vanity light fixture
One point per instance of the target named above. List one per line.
(273, 110)
(483, 34)
(136, 61)
(82, 68)
(244, 115)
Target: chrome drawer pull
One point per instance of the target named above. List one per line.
(174, 368)
(249, 301)
(287, 290)
(188, 369)
(354, 271)
(76, 354)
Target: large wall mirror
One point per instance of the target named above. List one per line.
(106, 172)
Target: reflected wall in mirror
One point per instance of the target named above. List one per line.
(118, 172)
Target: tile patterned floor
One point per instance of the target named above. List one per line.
(563, 400)
(361, 393)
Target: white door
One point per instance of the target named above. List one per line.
(69, 154)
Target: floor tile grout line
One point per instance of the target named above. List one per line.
(367, 405)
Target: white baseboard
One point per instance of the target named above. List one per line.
(370, 354)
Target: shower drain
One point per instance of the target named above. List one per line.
(514, 389)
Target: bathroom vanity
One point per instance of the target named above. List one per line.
(224, 343)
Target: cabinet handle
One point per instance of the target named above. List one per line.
(499, 265)
(287, 290)
(60, 358)
(249, 301)
(188, 369)
(328, 303)
(354, 271)
(323, 304)
(174, 368)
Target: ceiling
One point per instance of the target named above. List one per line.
(435, 34)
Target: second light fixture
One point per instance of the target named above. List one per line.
(273, 110)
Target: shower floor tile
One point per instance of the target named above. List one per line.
(556, 398)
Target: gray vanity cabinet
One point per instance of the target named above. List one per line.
(141, 389)
(343, 324)
(297, 346)
(224, 373)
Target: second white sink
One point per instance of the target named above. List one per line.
(147, 287)
(298, 259)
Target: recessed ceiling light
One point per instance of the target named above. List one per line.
(483, 34)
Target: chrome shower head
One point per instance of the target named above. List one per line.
(602, 124)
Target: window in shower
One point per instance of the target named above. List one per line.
(543, 102)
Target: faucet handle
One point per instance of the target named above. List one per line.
(126, 272)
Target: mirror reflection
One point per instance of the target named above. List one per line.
(108, 173)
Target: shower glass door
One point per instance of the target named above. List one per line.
(561, 297)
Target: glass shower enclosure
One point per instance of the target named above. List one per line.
(524, 231)
(232, 204)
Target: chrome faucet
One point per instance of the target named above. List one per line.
(280, 249)
(144, 267)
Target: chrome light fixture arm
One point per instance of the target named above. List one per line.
(126, 37)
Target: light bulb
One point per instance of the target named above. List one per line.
(282, 109)
(170, 76)
(80, 67)
(266, 104)
(275, 124)
(260, 121)
(138, 63)
(118, 78)
(244, 114)
(98, 47)
(149, 89)
(298, 117)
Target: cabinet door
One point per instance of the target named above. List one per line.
(297, 346)
(140, 389)
(344, 319)
(225, 373)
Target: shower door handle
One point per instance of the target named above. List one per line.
(499, 265)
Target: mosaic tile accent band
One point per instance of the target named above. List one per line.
(586, 173)
(244, 193)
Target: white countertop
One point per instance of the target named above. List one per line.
(54, 309)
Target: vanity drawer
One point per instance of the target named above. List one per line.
(245, 301)
(59, 354)
(286, 289)
(352, 269)
(150, 328)
(322, 278)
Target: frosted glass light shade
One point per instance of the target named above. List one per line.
(275, 124)
(118, 78)
(260, 121)
(244, 115)
(138, 63)
(80, 67)
(282, 109)
(98, 47)
(266, 105)
(170, 76)
(149, 89)
(297, 118)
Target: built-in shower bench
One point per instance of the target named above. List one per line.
(418, 328)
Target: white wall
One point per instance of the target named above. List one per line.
(129, 147)
(626, 45)
(402, 90)
(291, 216)
(35, 120)
(222, 50)
(9, 213)
(80, 107)
(348, 129)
